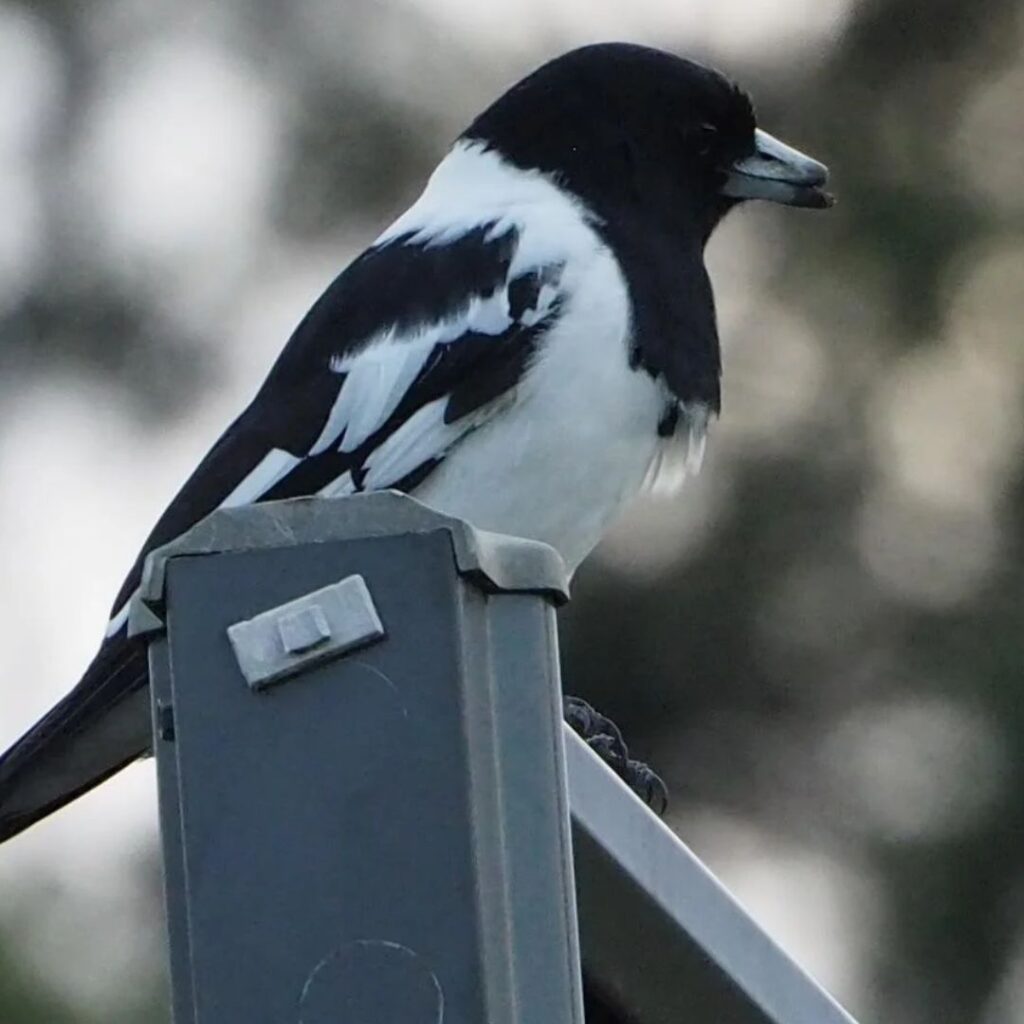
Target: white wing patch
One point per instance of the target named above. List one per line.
(425, 435)
(486, 315)
(117, 623)
(273, 467)
(362, 402)
(376, 395)
(376, 379)
(378, 376)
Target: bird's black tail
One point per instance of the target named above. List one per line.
(98, 728)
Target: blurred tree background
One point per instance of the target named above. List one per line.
(819, 643)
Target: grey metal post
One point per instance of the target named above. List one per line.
(363, 795)
(364, 808)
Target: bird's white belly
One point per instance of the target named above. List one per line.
(576, 443)
(564, 488)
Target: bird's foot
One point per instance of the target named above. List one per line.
(603, 736)
(647, 784)
(600, 732)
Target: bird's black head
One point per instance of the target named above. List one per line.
(630, 127)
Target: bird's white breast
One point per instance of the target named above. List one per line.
(574, 448)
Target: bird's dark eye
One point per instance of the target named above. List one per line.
(703, 138)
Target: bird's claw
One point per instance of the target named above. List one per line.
(600, 732)
(647, 784)
(612, 752)
(603, 736)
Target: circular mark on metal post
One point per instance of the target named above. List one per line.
(372, 981)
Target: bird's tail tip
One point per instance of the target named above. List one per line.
(101, 726)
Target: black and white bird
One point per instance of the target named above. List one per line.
(527, 347)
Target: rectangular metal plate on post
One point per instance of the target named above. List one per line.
(305, 631)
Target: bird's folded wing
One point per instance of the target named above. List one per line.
(410, 349)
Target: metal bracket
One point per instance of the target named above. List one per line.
(314, 628)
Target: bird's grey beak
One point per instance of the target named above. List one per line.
(778, 173)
